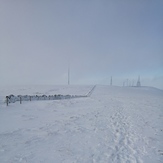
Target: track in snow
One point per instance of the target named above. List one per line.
(124, 149)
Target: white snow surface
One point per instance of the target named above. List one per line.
(113, 125)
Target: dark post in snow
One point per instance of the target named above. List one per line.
(30, 98)
(7, 100)
(20, 99)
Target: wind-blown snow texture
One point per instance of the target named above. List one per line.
(113, 125)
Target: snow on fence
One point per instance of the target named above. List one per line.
(20, 98)
(91, 91)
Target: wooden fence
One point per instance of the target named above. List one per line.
(20, 98)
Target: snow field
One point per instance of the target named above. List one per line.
(114, 124)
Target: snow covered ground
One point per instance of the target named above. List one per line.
(113, 125)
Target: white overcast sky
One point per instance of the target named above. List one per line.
(97, 38)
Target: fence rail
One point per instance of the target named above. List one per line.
(91, 91)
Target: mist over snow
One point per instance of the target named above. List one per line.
(95, 39)
(70, 48)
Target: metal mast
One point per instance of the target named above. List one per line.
(111, 81)
(68, 75)
(138, 82)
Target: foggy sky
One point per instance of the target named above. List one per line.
(97, 39)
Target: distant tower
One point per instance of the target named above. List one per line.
(68, 75)
(111, 81)
(132, 83)
(138, 82)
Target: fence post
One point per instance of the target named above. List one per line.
(7, 100)
(30, 98)
(20, 99)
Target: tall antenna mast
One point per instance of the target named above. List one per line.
(111, 81)
(68, 74)
(138, 82)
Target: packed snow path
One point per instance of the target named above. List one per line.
(114, 125)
